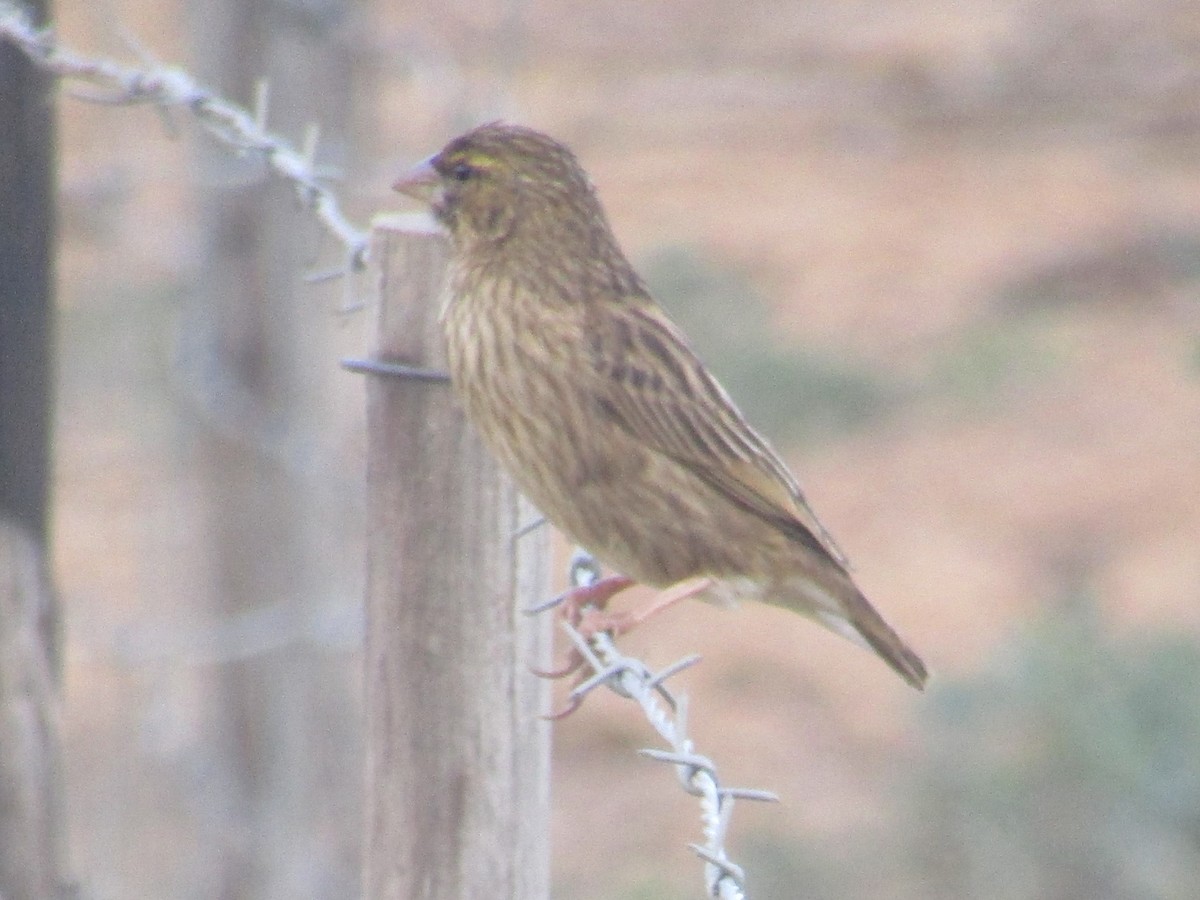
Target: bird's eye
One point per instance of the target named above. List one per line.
(461, 171)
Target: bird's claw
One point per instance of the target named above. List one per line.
(574, 663)
(573, 704)
(583, 608)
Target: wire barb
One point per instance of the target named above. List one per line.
(556, 600)
(528, 528)
(171, 88)
(393, 370)
(631, 678)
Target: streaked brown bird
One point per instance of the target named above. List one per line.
(599, 408)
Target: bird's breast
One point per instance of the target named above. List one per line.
(528, 385)
(518, 368)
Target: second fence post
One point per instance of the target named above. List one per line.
(457, 760)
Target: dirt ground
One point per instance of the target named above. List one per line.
(993, 208)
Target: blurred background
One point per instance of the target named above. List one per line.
(945, 254)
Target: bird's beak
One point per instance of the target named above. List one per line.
(421, 182)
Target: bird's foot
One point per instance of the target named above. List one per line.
(664, 600)
(584, 608)
(587, 603)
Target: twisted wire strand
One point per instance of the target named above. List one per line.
(667, 715)
(172, 88)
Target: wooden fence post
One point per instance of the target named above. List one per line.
(457, 760)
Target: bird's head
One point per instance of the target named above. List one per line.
(498, 181)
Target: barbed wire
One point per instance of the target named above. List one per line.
(633, 679)
(170, 87)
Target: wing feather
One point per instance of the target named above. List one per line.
(653, 384)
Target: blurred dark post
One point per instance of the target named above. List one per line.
(281, 803)
(26, 283)
(457, 759)
(32, 837)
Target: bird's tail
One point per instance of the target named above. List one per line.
(851, 615)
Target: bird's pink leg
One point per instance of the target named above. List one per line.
(595, 595)
(594, 621)
(589, 618)
(584, 608)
